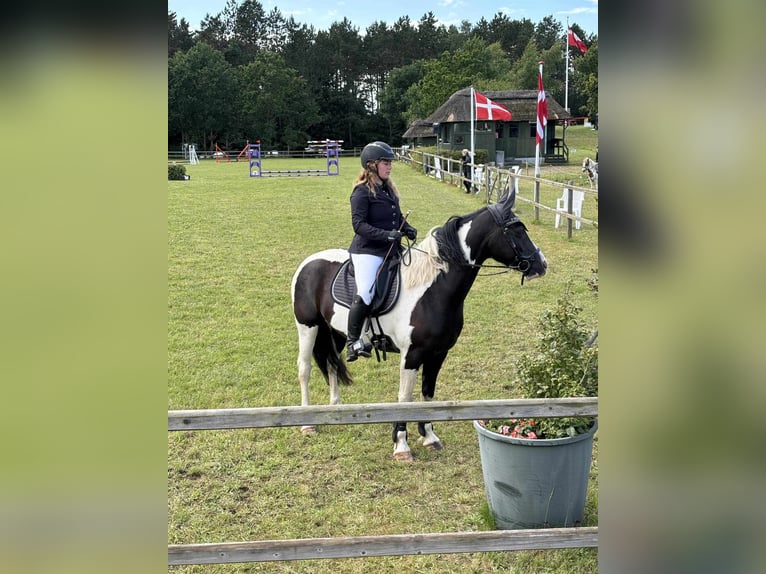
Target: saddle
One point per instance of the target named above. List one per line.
(387, 286)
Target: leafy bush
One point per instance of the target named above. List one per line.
(565, 364)
(176, 171)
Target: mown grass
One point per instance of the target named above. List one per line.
(234, 243)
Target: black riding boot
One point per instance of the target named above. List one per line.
(356, 317)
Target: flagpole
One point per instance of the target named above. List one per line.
(566, 75)
(473, 129)
(537, 155)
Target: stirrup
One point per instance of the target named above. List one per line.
(356, 349)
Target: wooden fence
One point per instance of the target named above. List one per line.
(491, 181)
(386, 545)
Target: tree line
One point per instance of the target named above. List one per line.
(247, 74)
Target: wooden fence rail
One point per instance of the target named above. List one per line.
(385, 545)
(493, 181)
(264, 417)
(389, 545)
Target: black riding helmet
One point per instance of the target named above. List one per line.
(375, 151)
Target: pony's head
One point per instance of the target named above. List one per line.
(510, 244)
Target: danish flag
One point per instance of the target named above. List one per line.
(486, 109)
(542, 109)
(574, 40)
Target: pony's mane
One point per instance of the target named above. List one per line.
(434, 254)
(425, 264)
(450, 247)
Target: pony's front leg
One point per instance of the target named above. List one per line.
(428, 436)
(407, 378)
(431, 369)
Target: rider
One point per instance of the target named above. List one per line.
(378, 225)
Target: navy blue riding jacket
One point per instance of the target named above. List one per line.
(372, 217)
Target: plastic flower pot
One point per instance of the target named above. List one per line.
(535, 483)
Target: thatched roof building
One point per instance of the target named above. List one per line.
(503, 140)
(421, 132)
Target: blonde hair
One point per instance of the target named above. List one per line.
(367, 176)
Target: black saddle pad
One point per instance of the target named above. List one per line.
(386, 290)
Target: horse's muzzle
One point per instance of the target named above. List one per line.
(535, 267)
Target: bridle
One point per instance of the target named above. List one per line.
(525, 261)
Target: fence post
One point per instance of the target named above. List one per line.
(537, 197)
(570, 193)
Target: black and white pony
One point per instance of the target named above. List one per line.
(590, 167)
(427, 318)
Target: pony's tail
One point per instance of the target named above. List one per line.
(326, 353)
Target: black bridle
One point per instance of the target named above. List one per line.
(525, 261)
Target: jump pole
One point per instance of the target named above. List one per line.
(332, 154)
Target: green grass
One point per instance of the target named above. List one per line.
(234, 243)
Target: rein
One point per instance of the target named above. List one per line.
(524, 262)
(523, 266)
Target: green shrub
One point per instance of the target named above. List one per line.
(565, 364)
(176, 171)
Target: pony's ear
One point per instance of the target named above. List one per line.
(508, 199)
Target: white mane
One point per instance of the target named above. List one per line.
(425, 264)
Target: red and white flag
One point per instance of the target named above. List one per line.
(574, 40)
(486, 109)
(542, 109)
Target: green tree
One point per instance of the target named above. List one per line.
(474, 63)
(378, 47)
(394, 99)
(179, 36)
(513, 35)
(524, 71)
(299, 50)
(275, 31)
(246, 23)
(583, 81)
(339, 49)
(276, 104)
(405, 41)
(212, 32)
(202, 93)
(548, 32)
(430, 37)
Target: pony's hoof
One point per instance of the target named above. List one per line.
(434, 445)
(405, 456)
(308, 430)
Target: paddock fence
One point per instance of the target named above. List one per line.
(383, 545)
(490, 180)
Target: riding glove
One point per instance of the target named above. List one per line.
(394, 235)
(411, 233)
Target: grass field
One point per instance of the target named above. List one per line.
(233, 245)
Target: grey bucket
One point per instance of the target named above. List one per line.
(534, 483)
